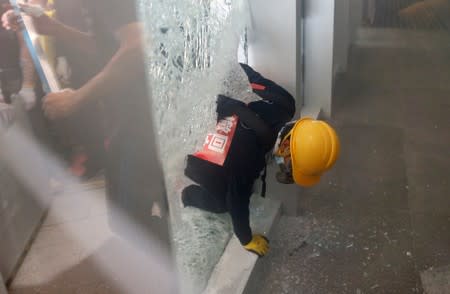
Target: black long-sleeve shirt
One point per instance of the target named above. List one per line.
(231, 185)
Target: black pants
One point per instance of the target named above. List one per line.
(198, 197)
(134, 182)
(10, 84)
(235, 201)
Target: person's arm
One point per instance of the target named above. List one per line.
(238, 201)
(45, 25)
(28, 71)
(83, 42)
(125, 66)
(27, 90)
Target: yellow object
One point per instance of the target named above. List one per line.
(258, 245)
(422, 9)
(48, 43)
(314, 148)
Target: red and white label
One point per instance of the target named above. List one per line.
(216, 146)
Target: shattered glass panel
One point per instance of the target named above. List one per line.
(192, 56)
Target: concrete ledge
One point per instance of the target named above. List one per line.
(233, 271)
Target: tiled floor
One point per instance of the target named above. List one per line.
(60, 259)
(382, 215)
(376, 221)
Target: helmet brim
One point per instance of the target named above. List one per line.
(305, 181)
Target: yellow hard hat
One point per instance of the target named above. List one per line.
(314, 147)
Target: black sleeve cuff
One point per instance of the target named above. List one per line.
(243, 231)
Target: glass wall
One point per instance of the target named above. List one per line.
(192, 48)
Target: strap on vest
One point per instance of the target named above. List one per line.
(264, 184)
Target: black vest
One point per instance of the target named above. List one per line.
(246, 157)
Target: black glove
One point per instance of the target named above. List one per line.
(227, 106)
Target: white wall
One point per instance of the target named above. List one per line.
(272, 41)
(330, 28)
(318, 39)
(275, 43)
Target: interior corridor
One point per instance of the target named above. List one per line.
(378, 222)
(381, 217)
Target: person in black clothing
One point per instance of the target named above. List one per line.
(16, 67)
(114, 44)
(84, 132)
(228, 188)
(10, 71)
(19, 79)
(304, 150)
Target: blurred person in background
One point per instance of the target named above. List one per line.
(83, 131)
(79, 138)
(16, 73)
(423, 9)
(114, 45)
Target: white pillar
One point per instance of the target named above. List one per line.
(273, 40)
(274, 50)
(318, 40)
